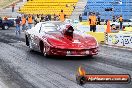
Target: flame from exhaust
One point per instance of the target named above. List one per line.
(81, 71)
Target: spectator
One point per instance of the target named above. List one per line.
(121, 21)
(62, 16)
(46, 18)
(5, 18)
(20, 18)
(38, 19)
(89, 21)
(49, 17)
(66, 5)
(17, 26)
(73, 6)
(55, 17)
(13, 6)
(30, 21)
(35, 21)
(98, 23)
(42, 17)
(23, 23)
(92, 21)
(80, 17)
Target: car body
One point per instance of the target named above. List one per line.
(13, 19)
(130, 19)
(103, 22)
(126, 22)
(5, 24)
(48, 38)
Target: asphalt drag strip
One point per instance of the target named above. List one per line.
(30, 69)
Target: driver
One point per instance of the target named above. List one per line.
(68, 32)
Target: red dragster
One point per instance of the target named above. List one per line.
(47, 38)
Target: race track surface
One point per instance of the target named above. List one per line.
(22, 68)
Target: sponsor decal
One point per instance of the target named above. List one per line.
(76, 41)
(68, 52)
(82, 77)
(114, 39)
(124, 40)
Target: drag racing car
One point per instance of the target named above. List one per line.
(57, 38)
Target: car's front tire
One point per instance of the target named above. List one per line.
(5, 27)
(30, 44)
(26, 39)
(45, 50)
(42, 48)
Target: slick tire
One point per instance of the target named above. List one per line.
(43, 48)
(45, 52)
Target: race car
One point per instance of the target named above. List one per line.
(60, 39)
